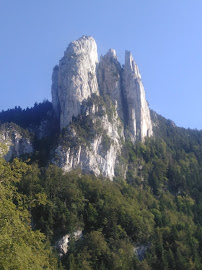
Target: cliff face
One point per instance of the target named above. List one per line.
(99, 105)
(138, 118)
(93, 141)
(109, 80)
(16, 142)
(74, 80)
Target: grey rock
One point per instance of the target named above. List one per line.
(16, 142)
(140, 251)
(109, 80)
(125, 115)
(74, 80)
(138, 114)
(63, 243)
(54, 91)
(99, 154)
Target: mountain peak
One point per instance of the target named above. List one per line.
(109, 99)
(75, 79)
(112, 53)
(131, 65)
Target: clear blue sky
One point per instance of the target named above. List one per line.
(165, 37)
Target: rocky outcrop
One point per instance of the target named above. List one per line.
(138, 120)
(63, 244)
(16, 141)
(94, 150)
(109, 80)
(140, 251)
(74, 80)
(119, 110)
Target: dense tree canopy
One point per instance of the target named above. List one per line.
(157, 208)
(23, 117)
(20, 246)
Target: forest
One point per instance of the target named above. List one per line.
(158, 208)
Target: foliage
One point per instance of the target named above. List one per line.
(114, 217)
(158, 206)
(20, 246)
(85, 127)
(25, 117)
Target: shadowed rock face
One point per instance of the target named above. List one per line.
(78, 79)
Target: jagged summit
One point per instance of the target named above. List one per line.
(79, 75)
(108, 101)
(112, 53)
(109, 79)
(138, 114)
(131, 65)
(98, 105)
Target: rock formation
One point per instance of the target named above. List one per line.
(63, 244)
(100, 105)
(109, 80)
(138, 118)
(74, 80)
(15, 140)
(95, 147)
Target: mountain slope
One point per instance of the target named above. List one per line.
(99, 128)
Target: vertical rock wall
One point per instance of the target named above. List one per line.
(74, 80)
(15, 142)
(139, 123)
(78, 79)
(109, 79)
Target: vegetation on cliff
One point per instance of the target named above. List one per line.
(158, 207)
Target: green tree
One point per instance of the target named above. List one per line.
(20, 246)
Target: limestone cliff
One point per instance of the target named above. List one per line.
(92, 142)
(109, 80)
(98, 104)
(138, 120)
(74, 80)
(17, 141)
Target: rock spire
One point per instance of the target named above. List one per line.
(79, 75)
(74, 80)
(109, 79)
(100, 104)
(137, 114)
